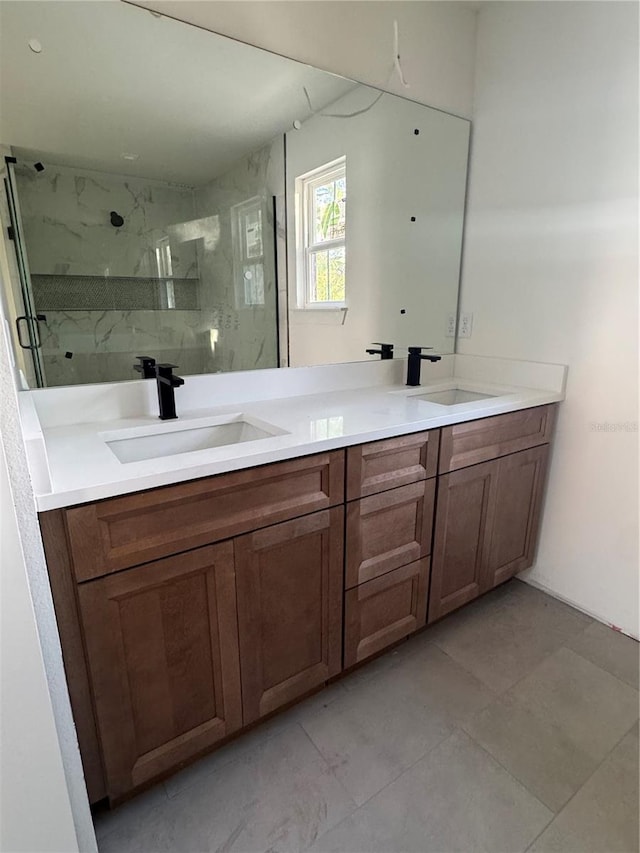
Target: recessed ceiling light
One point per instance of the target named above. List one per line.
(126, 156)
(35, 45)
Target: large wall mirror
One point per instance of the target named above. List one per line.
(176, 193)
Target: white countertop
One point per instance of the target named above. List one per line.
(82, 467)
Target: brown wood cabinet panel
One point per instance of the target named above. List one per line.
(388, 530)
(63, 590)
(469, 443)
(289, 582)
(162, 649)
(461, 541)
(517, 513)
(122, 532)
(382, 611)
(382, 465)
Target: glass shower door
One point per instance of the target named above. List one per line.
(27, 323)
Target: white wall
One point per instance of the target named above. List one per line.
(35, 812)
(43, 799)
(355, 39)
(550, 267)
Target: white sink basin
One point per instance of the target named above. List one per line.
(452, 396)
(138, 444)
(453, 393)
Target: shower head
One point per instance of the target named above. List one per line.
(116, 220)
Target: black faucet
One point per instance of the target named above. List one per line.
(166, 383)
(413, 363)
(147, 366)
(385, 351)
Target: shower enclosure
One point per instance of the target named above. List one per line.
(112, 266)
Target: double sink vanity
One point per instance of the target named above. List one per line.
(210, 570)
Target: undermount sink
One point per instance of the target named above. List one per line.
(136, 445)
(452, 396)
(451, 393)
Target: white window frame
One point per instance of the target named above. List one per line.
(240, 260)
(305, 245)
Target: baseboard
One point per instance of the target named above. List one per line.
(544, 588)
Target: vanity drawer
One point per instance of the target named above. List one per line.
(122, 532)
(382, 465)
(469, 443)
(388, 530)
(382, 611)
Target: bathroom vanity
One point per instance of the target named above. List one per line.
(192, 610)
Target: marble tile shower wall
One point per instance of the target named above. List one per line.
(246, 335)
(72, 244)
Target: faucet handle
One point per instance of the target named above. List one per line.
(146, 366)
(164, 372)
(385, 351)
(417, 350)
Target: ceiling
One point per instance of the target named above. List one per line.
(114, 78)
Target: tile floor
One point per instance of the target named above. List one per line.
(510, 726)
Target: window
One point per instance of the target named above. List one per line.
(322, 198)
(248, 252)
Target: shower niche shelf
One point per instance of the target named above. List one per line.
(114, 293)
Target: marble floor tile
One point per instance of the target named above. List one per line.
(591, 707)
(370, 735)
(611, 650)
(244, 744)
(603, 815)
(131, 811)
(456, 798)
(534, 750)
(280, 797)
(505, 640)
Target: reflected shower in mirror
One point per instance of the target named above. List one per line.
(152, 211)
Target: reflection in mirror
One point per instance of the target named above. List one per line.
(152, 214)
(377, 184)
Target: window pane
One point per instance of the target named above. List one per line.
(318, 277)
(327, 275)
(253, 233)
(336, 274)
(253, 284)
(328, 210)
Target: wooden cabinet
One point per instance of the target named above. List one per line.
(391, 493)
(388, 530)
(486, 527)
(382, 465)
(122, 532)
(472, 442)
(461, 537)
(162, 648)
(516, 513)
(190, 611)
(289, 580)
(382, 611)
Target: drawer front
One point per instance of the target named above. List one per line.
(388, 530)
(469, 443)
(382, 465)
(384, 610)
(123, 532)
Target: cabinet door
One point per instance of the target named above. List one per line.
(517, 513)
(461, 542)
(383, 611)
(289, 582)
(388, 530)
(162, 647)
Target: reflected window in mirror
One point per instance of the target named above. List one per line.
(248, 251)
(322, 233)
